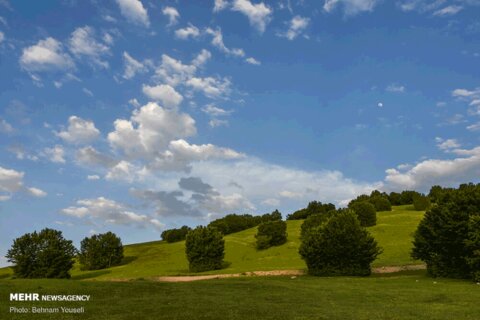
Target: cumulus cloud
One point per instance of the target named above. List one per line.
(82, 43)
(55, 154)
(217, 42)
(167, 203)
(219, 5)
(259, 15)
(11, 182)
(188, 32)
(210, 87)
(79, 131)
(36, 192)
(448, 144)
(163, 93)
(89, 156)
(46, 55)
(212, 110)
(106, 211)
(122, 171)
(149, 131)
(132, 66)
(253, 61)
(134, 12)
(172, 15)
(173, 71)
(296, 26)
(201, 58)
(350, 7)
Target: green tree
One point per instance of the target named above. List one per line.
(42, 255)
(366, 213)
(100, 251)
(271, 233)
(175, 235)
(421, 202)
(314, 221)
(204, 247)
(340, 246)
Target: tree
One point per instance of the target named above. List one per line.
(100, 251)
(314, 221)
(366, 213)
(175, 235)
(448, 237)
(204, 247)
(42, 255)
(421, 202)
(340, 246)
(381, 203)
(271, 233)
(314, 207)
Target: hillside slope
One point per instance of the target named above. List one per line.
(393, 232)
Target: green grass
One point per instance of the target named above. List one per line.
(393, 232)
(410, 296)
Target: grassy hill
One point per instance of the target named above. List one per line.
(393, 232)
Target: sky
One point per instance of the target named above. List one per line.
(134, 116)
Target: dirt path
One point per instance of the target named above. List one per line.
(293, 273)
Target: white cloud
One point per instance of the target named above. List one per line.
(93, 177)
(296, 26)
(2, 36)
(107, 212)
(350, 7)
(464, 93)
(46, 55)
(220, 5)
(259, 15)
(448, 11)
(88, 157)
(253, 61)
(55, 154)
(149, 131)
(214, 111)
(290, 194)
(82, 43)
(163, 93)
(134, 12)
(380, 105)
(79, 131)
(36, 192)
(172, 15)
(474, 127)
(395, 88)
(447, 145)
(211, 87)
(132, 66)
(202, 58)
(5, 127)
(123, 170)
(217, 41)
(188, 32)
(10, 180)
(88, 92)
(437, 172)
(173, 71)
(218, 123)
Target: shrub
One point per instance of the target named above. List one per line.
(204, 247)
(175, 235)
(381, 203)
(340, 246)
(448, 237)
(395, 198)
(271, 233)
(234, 223)
(100, 251)
(42, 255)
(314, 207)
(421, 202)
(366, 213)
(314, 221)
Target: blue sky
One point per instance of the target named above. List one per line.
(135, 116)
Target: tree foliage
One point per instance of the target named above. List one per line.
(366, 213)
(448, 237)
(175, 235)
(314, 207)
(421, 202)
(271, 233)
(42, 255)
(204, 247)
(339, 246)
(379, 199)
(100, 251)
(232, 223)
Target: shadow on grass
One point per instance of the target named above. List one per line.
(92, 274)
(420, 273)
(5, 276)
(127, 260)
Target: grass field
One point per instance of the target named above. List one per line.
(393, 232)
(409, 296)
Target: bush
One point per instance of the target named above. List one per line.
(100, 251)
(340, 246)
(271, 233)
(421, 202)
(366, 213)
(381, 203)
(314, 221)
(204, 247)
(314, 207)
(175, 235)
(42, 255)
(448, 237)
